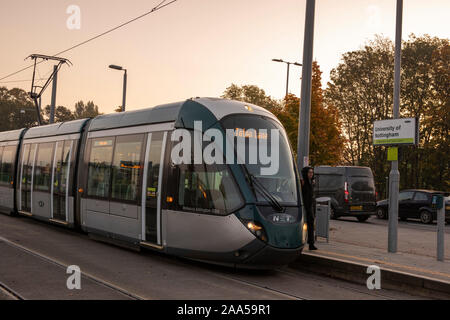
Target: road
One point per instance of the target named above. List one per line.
(34, 257)
(409, 224)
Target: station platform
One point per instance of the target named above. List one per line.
(420, 266)
(354, 246)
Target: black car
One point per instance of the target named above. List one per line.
(351, 189)
(415, 204)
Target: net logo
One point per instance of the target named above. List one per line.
(250, 146)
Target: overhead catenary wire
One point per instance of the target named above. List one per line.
(29, 80)
(17, 81)
(161, 5)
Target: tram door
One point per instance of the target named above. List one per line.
(61, 180)
(151, 195)
(29, 154)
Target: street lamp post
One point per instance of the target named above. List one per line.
(124, 98)
(288, 67)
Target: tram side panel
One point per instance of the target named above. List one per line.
(111, 182)
(199, 229)
(46, 172)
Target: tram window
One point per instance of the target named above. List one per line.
(99, 172)
(7, 165)
(65, 165)
(208, 189)
(126, 167)
(154, 159)
(61, 166)
(43, 167)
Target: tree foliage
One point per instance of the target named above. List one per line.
(18, 110)
(326, 142)
(361, 88)
(88, 110)
(251, 94)
(62, 114)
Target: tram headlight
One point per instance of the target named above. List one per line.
(257, 230)
(253, 226)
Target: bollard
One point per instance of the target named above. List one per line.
(440, 233)
(438, 204)
(322, 220)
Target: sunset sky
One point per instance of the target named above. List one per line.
(193, 47)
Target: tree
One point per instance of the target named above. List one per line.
(62, 114)
(326, 141)
(251, 94)
(361, 88)
(88, 110)
(17, 109)
(425, 83)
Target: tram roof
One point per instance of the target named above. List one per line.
(158, 114)
(11, 135)
(56, 129)
(172, 112)
(184, 112)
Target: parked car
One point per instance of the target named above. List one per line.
(416, 204)
(351, 189)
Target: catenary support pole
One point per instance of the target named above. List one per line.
(394, 175)
(54, 87)
(305, 102)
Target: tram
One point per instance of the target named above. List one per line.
(115, 177)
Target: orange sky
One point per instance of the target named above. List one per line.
(194, 47)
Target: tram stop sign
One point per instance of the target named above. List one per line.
(394, 132)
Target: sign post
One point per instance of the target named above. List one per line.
(438, 204)
(393, 133)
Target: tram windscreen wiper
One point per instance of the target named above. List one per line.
(263, 191)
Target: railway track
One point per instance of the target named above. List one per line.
(264, 283)
(47, 259)
(294, 273)
(284, 295)
(9, 293)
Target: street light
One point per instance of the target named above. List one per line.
(124, 83)
(288, 67)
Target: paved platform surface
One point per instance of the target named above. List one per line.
(366, 243)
